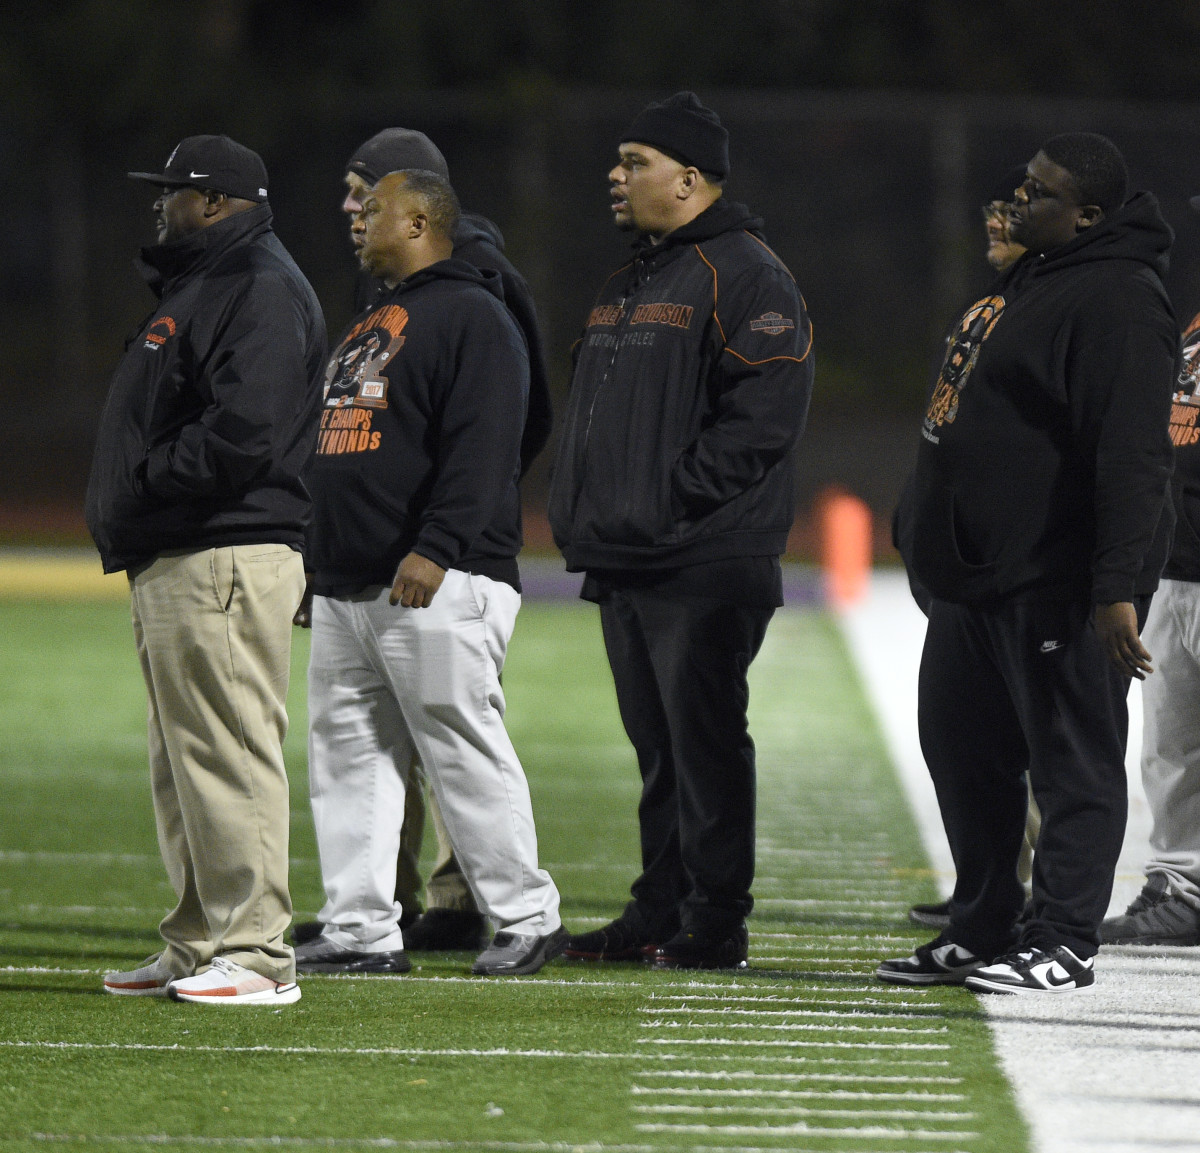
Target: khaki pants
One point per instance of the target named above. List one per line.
(214, 632)
(447, 888)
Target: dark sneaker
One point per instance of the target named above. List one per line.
(1034, 970)
(940, 962)
(306, 931)
(1156, 917)
(446, 930)
(704, 949)
(323, 956)
(513, 955)
(931, 916)
(619, 940)
(1153, 891)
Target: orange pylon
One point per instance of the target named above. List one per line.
(845, 526)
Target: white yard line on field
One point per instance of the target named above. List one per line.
(1115, 1069)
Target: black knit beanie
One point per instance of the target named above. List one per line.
(393, 150)
(682, 126)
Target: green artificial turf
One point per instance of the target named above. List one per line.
(804, 1051)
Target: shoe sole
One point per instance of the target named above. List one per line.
(678, 963)
(287, 994)
(1183, 942)
(929, 920)
(891, 977)
(623, 955)
(987, 985)
(137, 990)
(352, 967)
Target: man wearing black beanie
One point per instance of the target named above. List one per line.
(674, 492)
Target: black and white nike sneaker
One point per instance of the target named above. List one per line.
(1033, 970)
(940, 962)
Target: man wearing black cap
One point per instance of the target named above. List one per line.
(1167, 910)
(674, 491)
(1041, 525)
(195, 492)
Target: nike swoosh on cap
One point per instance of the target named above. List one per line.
(197, 175)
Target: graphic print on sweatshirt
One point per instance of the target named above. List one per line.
(962, 351)
(1185, 403)
(355, 385)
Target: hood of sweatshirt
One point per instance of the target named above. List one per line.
(722, 216)
(1135, 231)
(451, 269)
(472, 228)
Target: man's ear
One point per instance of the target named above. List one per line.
(418, 225)
(214, 203)
(1088, 215)
(689, 182)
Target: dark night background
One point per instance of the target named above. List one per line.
(866, 132)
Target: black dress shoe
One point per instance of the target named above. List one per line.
(323, 956)
(704, 949)
(307, 931)
(619, 940)
(447, 930)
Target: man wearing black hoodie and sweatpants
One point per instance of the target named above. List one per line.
(674, 491)
(1041, 527)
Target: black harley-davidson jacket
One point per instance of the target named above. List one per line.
(689, 393)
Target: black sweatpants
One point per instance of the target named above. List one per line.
(679, 664)
(1020, 688)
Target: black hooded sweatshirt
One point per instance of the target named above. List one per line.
(1184, 561)
(480, 243)
(689, 394)
(1045, 460)
(419, 444)
(211, 414)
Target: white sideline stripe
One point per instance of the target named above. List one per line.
(317, 1050)
(275, 1141)
(822, 903)
(805, 1111)
(798, 1027)
(748, 1075)
(882, 938)
(47, 857)
(726, 1041)
(879, 1002)
(84, 909)
(795, 1094)
(800, 1129)
(884, 1014)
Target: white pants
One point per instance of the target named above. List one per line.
(386, 684)
(1171, 735)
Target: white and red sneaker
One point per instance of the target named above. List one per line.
(228, 983)
(151, 980)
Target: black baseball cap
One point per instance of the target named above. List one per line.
(215, 162)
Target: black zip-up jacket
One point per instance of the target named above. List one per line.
(1184, 562)
(420, 435)
(1045, 459)
(689, 394)
(480, 243)
(211, 413)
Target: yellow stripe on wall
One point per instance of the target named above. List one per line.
(59, 575)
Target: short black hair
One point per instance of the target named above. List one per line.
(1095, 164)
(437, 197)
